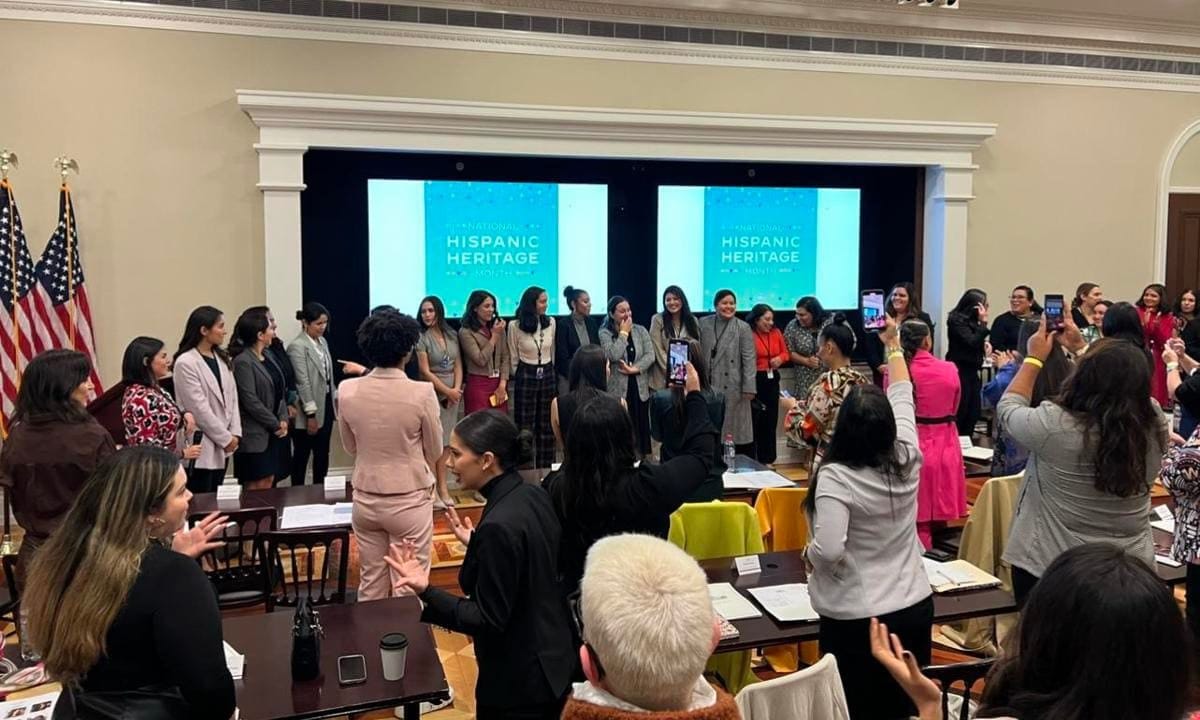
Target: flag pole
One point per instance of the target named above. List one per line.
(8, 161)
(65, 165)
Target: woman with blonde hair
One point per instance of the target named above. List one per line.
(128, 626)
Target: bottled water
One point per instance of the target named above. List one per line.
(730, 453)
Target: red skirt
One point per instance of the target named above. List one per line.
(479, 390)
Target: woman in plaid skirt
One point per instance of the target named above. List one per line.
(531, 355)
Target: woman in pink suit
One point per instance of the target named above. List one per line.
(1158, 324)
(393, 425)
(942, 494)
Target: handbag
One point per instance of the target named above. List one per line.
(306, 641)
(155, 702)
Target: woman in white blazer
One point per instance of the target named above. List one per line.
(310, 357)
(205, 387)
(630, 357)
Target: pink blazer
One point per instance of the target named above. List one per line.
(214, 406)
(392, 425)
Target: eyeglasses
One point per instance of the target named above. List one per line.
(574, 601)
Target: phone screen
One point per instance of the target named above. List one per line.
(677, 360)
(872, 310)
(1054, 312)
(352, 669)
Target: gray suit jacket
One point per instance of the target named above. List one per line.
(614, 348)
(731, 372)
(314, 373)
(261, 411)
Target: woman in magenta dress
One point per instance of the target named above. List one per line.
(942, 494)
(1158, 324)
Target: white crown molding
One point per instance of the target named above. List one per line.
(1183, 190)
(105, 12)
(1159, 269)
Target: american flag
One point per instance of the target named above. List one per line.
(16, 315)
(60, 302)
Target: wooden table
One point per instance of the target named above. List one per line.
(788, 567)
(278, 498)
(266, 691)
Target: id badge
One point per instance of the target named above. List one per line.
(771, 374)
(541, 372)
(445, 362)
(495, 374)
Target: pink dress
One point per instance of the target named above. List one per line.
(942, 494)
(1158, 329)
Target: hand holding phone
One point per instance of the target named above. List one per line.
(871, 304)
(1054, 310)
(677, 360)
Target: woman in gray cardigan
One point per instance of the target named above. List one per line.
(729, 347)
(630, 356)
(262, 401)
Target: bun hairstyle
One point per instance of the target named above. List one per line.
(572, 293)
(840, 334)
(493, 431)
(312, 312)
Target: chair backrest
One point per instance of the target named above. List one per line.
(716, 529)
(13, 604)
(238, 568)
(967, 673)
(296, 569)
(781, 518)
(814, 692)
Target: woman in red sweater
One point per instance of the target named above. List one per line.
(771, 352)
(1158, 324)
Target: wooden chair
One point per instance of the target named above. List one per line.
(238, 569)
(10, 609)
(967, 673)
(299, 550)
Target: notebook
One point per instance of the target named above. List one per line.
(957, 576)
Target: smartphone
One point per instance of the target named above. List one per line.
(872, 310)
(784, 393)
(677, 360)
(1053, 307)
(352, 669)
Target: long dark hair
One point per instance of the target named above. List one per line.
(814, 308)
(47, 386)
(1083, 289)
(1056, 366)
(839, 333)
(1177, 308)
(202, 317)
(1093, 604)
(245, 331)
(439, 314)
(686, 319)
(135, 364)
(613, 302)
(914, 302)
(470, 319)
(912, 336)
(528, 318)
(1122, 322)
(967, 306)
(598, 448)
(1162, 297)
(1109, 395)
(864, 438)
(588, 369)
(492, 431)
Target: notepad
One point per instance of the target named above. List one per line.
(235, 661)
(755, 480)
(297, 517)
(970, 452)
(956, 576)
(786, 603)
(1162, 519)
(731, 604)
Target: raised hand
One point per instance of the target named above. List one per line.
(408, 574)
(902, 666)
(199, 540)
(462, 529)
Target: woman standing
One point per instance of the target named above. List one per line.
(531, 359)
(803, 334)
(1093, 454)
(865, 555)
(150, 415)
(942, 493)
(394, 427)
(579, 329)
(262, 402)
(903, 304)
(1158, 324)
(481, 339)
(814, 421)
(676, 321)
(53, 446)
(318, 394)
(1093, 332)
(276, 355)
(630, 357)
(129, 626)
(728, 343)
(440, 362)
(967, 328)
(669, 420)
(770, 353)
(204, 386)
(588, 380)
(1186, 327)
(513, 605)
(1084, 302)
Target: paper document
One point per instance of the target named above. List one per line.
(298, 517)
(756, 480)
(30, 708)
(234, 661)
(1168, 561)
(957, 575)
(970, 452)
(1164, 525)
(731, 604)
(786, 603)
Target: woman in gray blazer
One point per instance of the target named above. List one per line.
(729, 346)
(262, 401)
(314, 383)
(630, 356)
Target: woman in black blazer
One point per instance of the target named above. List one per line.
(514, 608)
(903, 303)
(262, 401)
(276, 356)
(967, 331)
(571, 332)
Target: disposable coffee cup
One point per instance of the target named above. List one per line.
(393, 652)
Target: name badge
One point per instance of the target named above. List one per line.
(540, 373)
(445, 362)
(335, 484)
(229, 492)
(771, 374)
(747, 565)
(495, 374)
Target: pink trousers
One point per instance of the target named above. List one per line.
(379, 521)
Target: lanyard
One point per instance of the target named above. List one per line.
(539, 341)
(766, 343)
(720, 335)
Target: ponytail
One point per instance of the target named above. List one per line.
(840, 334)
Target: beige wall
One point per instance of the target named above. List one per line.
(170, 217)
(1186, 171)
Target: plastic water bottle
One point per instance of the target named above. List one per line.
(28, 654)
(730, 453)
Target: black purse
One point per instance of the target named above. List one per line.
(306, 642)
(145, 703)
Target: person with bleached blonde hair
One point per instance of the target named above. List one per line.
(648, 629)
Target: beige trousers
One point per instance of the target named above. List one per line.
(379, 521)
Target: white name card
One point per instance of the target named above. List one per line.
(747, 565)
(335, 484)
(1164, 513)
(229, 492)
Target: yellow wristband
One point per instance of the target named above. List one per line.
(1172, 367)
(895, 354)
(1034, 362)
